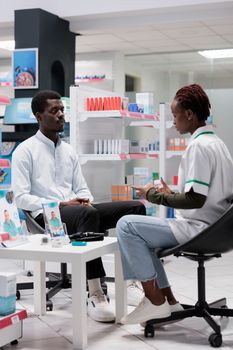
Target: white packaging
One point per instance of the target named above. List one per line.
(134, 146)
(147, 100)
(96, 151)
(123, 146)
(110, 147)
(113, 148)
(116, 146)
(100, 146)
(143, 146)
(7, 284)
(105, 146)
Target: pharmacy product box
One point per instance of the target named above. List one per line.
(147, 100)
(7, 293)
(121, 193)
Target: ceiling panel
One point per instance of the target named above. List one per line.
(143, 35)
(100, 38)
(182, 32)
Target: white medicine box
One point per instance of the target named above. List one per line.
(7, 293)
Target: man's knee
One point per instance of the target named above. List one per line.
(138, 208)
(91, 213)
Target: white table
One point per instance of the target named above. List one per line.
(77, 256)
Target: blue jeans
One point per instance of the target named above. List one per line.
(139, 238)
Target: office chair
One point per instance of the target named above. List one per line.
(55, 282)
(210, 243)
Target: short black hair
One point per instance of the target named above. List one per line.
(39, 101)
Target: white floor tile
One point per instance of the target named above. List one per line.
(54, 330)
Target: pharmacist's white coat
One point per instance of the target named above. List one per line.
(207, 167)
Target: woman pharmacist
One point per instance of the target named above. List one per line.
(205, 193)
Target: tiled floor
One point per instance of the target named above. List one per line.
(53, 331)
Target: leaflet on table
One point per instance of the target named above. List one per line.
(11, 233)
(52, 219)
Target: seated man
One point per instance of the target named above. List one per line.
(46, 169)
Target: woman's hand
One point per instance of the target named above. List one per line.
(141, 191)
(165, 188)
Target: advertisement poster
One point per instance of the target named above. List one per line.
(25, 68)
(10, 227)
(53, 219)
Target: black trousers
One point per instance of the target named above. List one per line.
(97, 218)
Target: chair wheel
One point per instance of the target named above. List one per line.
(149, 331)
(14, 342)
(18, 295)
(49, 305)
(215, 340)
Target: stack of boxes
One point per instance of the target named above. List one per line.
(121, 193)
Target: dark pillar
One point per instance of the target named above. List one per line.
(56, 45)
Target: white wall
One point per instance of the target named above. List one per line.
(222, 109)
(117, 83)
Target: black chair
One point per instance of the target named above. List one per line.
(210, 243)
(56, 282)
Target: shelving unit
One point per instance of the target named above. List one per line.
(87, 126)
(102, 170)
(11, 327)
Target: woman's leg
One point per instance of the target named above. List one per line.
(139, 238)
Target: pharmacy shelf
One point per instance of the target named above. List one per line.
(84, 158)
(151, 123)
(116, 114)
(11, 327)
(170, 154)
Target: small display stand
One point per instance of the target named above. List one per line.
(11, 327)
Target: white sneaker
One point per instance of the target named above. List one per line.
(99, 309)
(135, 293)
(147, 311)
(174, 308)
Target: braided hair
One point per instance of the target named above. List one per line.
(194, 97)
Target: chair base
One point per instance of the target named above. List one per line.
(204, 310)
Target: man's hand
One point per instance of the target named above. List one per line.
(76, 201)
(141, 191)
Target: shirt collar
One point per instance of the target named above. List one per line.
(46, 140)
(203, 129)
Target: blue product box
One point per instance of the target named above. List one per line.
(7, 305)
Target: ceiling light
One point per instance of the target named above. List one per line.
(7, 44)
(225, 53)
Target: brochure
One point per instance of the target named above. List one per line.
(11, 233)
(52, 219)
